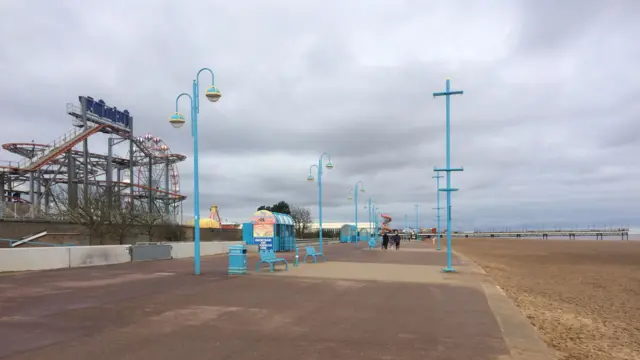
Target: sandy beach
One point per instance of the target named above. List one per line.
(582, 296)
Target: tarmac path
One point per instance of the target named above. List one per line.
(360, 304)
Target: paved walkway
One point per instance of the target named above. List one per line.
(361, 304)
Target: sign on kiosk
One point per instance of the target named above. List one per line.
(263, 229)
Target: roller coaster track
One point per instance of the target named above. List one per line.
(59, 147)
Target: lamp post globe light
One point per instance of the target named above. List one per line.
(310, 177)
(177, 120)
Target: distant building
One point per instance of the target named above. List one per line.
(338, 225)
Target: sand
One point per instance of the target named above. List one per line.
(582, 296)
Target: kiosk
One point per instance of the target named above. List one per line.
(347, 233)
(364, 234)
(270, 231)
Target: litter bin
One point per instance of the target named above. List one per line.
(237, 260)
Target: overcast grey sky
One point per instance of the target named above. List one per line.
(547, 130)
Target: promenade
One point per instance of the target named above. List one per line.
(360, 304)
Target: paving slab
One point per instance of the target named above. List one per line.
(360, 304)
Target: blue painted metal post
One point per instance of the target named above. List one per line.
(417, 224)
(438, 208)
(297, 257)
(370, 219)
(319, 166)
(447, 94)
(321, 244)
(377, 224)
(355, 204)
(177, 120)
(196, 180)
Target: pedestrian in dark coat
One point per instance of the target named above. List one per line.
(385, 241)
(396, 240)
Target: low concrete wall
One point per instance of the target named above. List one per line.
(185, 249)
(34, 259)
(25, 259)
(98, 255)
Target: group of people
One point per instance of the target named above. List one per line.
(395, 238)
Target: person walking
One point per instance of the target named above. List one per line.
(385, 241)
(396, 240)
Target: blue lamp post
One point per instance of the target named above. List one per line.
(448, 169)
(370, 208)
(376, 214)
(417, 224)
(438, 208)
(355, 205)
(310, 178)
(177, 120)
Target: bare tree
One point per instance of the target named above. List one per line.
(122, 221)
(92, 212)
(149, 221)
(302, 218)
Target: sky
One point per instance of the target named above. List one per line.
(547, 129)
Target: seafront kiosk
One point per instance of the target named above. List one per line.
(347, 233)
(364, 234)
(270, 231)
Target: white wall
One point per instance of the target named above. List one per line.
(98, 255)
(24, 259)
(34, 259)
(185, 249)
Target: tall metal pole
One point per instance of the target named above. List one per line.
(195, 110)
(438, 208)
(355, 205)
(320, 246)
(196, 182)
(320, 203)
(417, 227)
(447, 94)
(370, 220)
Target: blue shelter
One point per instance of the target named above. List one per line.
(347, 233)
(364, 234)
(270, 231)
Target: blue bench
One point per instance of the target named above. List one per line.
(311, 251)
(269, 257)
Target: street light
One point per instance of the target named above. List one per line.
(417, 224)
(310, 178)
(370, 208)
(177, 120)
(355, 203)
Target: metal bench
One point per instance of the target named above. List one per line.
(269, 257)
(311, 251)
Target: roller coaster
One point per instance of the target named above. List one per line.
(147, 177)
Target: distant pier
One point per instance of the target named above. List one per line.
(599, 234)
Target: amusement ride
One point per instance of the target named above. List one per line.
(147, 177)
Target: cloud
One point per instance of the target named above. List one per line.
(545, 129)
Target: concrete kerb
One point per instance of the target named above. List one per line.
(519, 334)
